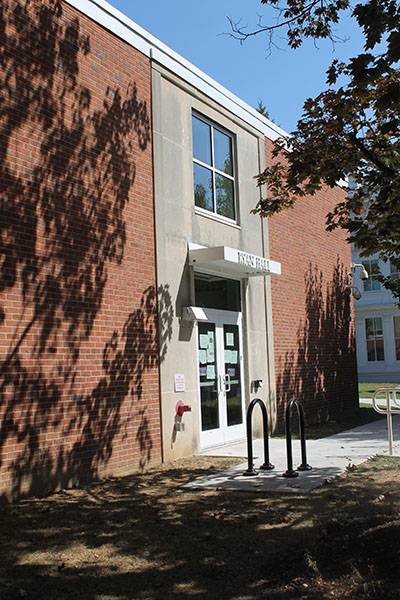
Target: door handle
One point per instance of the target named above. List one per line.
(227, 382)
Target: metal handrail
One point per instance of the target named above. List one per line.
(392, 408)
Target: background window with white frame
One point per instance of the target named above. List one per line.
(371, 284)
(374, 338)
(396, 326)
(213, 168)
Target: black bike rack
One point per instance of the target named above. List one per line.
(304, 466)
(251, 472)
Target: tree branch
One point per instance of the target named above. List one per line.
(242, 36)
(371, 156)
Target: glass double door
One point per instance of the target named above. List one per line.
(220, 377)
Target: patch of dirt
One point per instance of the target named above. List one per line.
(146, 537)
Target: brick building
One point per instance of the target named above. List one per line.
(133, 276)
(313, 319)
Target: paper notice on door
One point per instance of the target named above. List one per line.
(228, 356)
(210, 372)
(203, 340)
(211, 340)
(210, 355)
(234, 356)
(202, 357)
(229, 339)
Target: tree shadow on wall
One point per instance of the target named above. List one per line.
(320, 370)
(67, 172)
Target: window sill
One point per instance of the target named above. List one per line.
(214, 217)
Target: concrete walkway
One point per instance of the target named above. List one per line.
(381, 402)
(328, 457)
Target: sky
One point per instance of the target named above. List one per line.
(281, 78)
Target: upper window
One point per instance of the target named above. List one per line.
(214, 178)
(372, 283)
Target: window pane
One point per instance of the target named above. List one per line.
(215, 292)
(374, 267)
(380, 354)
(223, 152)
(378, 326)
(396, 321)
(224, 191)
(232, 368)
(375, 284)
(371, 350)
(397, 349)
(203, 195)
(367, 284)
(208, 381)
(201, 141)
(369, 328)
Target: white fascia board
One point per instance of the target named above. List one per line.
(115, 21)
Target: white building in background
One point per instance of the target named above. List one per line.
(377, 321)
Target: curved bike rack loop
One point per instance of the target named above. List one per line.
(267, 465)
(304, 466)
(392, 407)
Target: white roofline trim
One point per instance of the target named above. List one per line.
(115, 21)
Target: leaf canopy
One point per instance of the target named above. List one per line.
(349, 131)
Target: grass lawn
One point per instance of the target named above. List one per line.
(366, 390)
(366, 414)
(144, 537)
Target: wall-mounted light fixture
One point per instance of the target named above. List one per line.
(256, 385)
(353, 289)
(364, 273)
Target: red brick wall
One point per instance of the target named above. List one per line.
(313, 334)
(79, 389)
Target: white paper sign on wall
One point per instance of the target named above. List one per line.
(179, 382)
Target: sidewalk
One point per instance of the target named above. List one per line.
(328, 456)
(381, 401)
